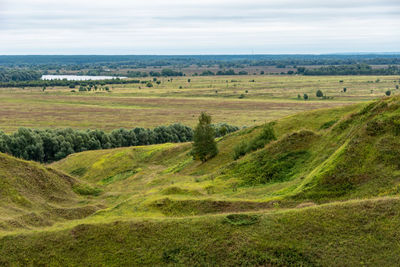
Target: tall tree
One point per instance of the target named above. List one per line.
(204, 145)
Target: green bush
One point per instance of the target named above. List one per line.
(267, 135)
(240, 150)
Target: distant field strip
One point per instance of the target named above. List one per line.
(110, 113)
(243, 101)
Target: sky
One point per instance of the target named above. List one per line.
(198, 26)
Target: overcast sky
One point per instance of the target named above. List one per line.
(198, 26)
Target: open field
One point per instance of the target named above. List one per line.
(264, 98)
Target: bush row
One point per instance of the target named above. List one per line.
(359, 69)
(64, 82)
(54, 144)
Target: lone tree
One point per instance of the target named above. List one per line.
(388, 92)
(319, 93)
(305, 96)
(204, 145)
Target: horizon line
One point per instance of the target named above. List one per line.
(212, 54)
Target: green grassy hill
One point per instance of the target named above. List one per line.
(35, 196)
(324, 192)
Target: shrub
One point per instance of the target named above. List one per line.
(267, 135)
(240, 150)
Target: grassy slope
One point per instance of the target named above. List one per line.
(163, 179)
(331, 235)
(162, 207)
(32, 195)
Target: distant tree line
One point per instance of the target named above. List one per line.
(223, 72)
(173, 73)
(18, 75)
(65, 82)
(359, 69)
(163, 73)
(54, 144)
(100, 62)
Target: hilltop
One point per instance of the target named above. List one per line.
(323, 191)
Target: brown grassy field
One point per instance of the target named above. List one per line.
(237, 100)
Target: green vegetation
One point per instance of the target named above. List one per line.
(84, 85)
(140, 66)
(267, 135)
(18, 75)
(204, 145)
(35, 196)
(319, 188)
(357, 69)
(50, 145)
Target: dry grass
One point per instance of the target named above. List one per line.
(267, 98)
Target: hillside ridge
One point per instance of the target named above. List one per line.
(304, 196)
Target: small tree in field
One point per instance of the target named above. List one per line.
(319, 93)
(305, 96)
(388, 92)
(204, 145)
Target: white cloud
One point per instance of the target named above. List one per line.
(197, 27)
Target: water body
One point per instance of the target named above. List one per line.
(78, 77)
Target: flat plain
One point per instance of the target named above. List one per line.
(239, 100)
